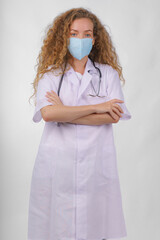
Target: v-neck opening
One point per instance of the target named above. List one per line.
(79, 73)
(79, 76)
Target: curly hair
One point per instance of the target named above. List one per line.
(54, 53)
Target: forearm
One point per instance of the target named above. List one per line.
(94, 119)
(63, 113)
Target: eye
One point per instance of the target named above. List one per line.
(88, 35)
(72, 34)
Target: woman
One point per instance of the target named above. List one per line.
(75, 191)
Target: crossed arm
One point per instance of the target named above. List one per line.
(84, 115)
(95, 119)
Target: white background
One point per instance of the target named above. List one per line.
(135, 30)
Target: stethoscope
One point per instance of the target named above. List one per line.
(100, 76)
(96, 94)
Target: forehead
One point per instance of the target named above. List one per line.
(82, 24)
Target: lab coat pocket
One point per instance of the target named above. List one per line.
(109, 164)
(93, 99)
(96, 99)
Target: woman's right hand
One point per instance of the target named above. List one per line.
(110, 107)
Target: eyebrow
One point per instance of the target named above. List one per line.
(84, 31)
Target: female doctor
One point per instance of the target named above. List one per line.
(75, 191)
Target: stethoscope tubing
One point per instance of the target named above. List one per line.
(97, 94)
(100, 76)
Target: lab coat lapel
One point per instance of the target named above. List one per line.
(87, 76)
(84, 82)
(71, 75)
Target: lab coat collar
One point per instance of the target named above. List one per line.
(89, 66)
(87, 76)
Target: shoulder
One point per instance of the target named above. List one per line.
(106, 69)
(50, 77)
(109, 75)
(44, 80)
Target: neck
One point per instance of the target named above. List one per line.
(78, 65)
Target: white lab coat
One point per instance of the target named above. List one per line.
(75, 191)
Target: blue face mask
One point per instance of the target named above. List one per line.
(80, 47)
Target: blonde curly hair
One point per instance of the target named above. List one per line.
(54, 53)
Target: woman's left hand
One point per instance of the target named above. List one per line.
(53, 98)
